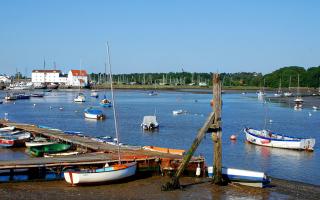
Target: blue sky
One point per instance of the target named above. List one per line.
(159, 36)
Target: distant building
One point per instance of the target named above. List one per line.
(5, 79)
(48, 76)
(77, 78)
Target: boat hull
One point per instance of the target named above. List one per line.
(243, 177)
(256, 137)
(100, 175)
(93, 116)
(51, 148)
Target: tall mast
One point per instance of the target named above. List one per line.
(114, 103)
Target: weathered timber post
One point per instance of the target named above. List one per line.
(174, 183)
(217, 131)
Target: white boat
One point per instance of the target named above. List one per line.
(287, 94)
(94, 94)
(177, 112)
(50, 155)
(7, 129)
(38, 141)
(105, 174)
(93, 113)
(261, 94)
(314, 107)
(80, 98)
(243, 177)
(10, 97)
(298, 101)
(270, 139)
(149, 123)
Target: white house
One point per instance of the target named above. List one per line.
(5, 79)
(47, 76)
(77, 78)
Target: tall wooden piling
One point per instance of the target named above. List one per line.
(213, 123)
(217, 130)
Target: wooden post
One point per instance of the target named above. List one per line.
(217, 131)
(174, 184)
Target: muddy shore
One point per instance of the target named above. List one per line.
(149, 188)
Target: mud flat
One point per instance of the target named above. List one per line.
(149, 188)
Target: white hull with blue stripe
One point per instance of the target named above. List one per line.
(243, 177)
(270, 139)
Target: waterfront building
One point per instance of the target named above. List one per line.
(5, 79)
(48, 76)
(77, 78)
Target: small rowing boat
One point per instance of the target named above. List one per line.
(243, 177)
(164, 150)
(270, 139)
(50, 148)
(7, 129)
(106, 174)
(93, 113)
(39, 141)
(14, 140)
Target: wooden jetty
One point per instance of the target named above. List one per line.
(95, 154)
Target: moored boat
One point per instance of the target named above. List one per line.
(7, 128)
(94, 94)
(50, 148)
(80, 98)
(243, 177)
(149, 123)
(177, 112)
(105, 103)
(14, 140)
(50, 155)
(39, 141)
(270, 139)
(93, 113)
(109, 173)
(164, 150)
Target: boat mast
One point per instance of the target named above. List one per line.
(114, 103)
(298, 89)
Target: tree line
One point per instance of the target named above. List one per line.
(288, 76)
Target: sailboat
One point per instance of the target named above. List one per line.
(298, 101)
(279, 92)
(80, 98)
(108, 173)
(261, 92)
(289, 93)
(105, 102)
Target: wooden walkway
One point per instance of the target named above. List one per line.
(100, 153)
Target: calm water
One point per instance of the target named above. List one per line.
(179, 131)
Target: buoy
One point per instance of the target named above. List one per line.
(50, 107)
(233, 137)
(270, 120)
(310, 114)
(198, 171)
(34, 105)
(60, 108)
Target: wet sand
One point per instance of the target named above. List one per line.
(149, 188)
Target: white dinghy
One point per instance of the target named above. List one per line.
(108, 173)
(270, 139)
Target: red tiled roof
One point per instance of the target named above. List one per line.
(46, 71)
(76, 72)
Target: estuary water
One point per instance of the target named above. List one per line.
(58, 110)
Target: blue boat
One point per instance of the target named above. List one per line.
(93, 113)
(105, 102)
